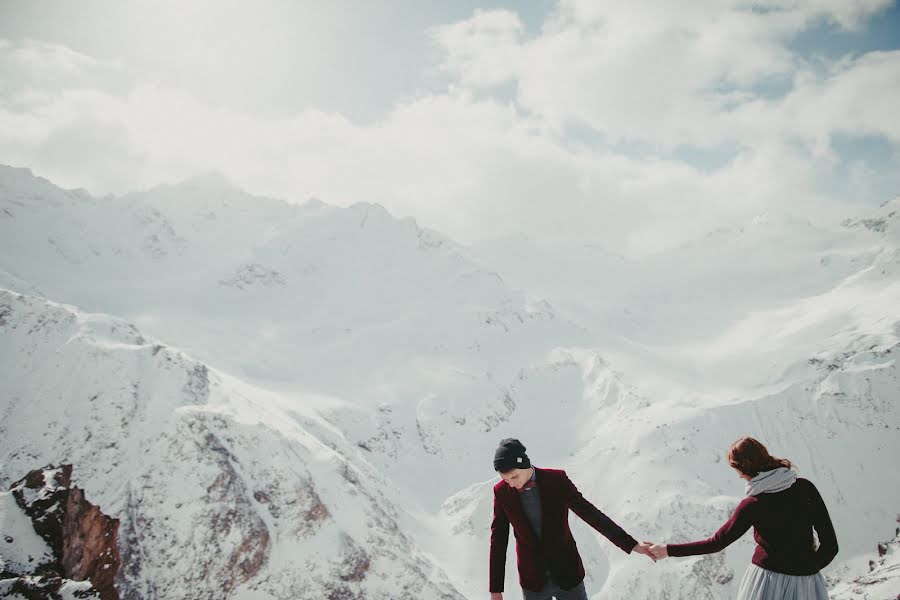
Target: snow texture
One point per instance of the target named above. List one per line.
(287, 400)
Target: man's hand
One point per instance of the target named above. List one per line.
(659, 551)
(496, 595)
(644, 548)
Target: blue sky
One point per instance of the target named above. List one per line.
(643, 126)
(882, 32)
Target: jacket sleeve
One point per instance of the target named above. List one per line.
(828, 545)
(499, 543)
(740, 521)
(592, 515)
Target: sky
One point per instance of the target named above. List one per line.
(635, 127)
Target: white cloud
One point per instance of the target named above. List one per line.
(49, 67)
(470, 168)
(670, 73)
(483, 50)
(859, 97)
(476, 166)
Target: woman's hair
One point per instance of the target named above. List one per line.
(750, 457)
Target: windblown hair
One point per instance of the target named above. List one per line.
(750, 457)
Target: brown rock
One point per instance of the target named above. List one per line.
(83, 539)
(90, 541)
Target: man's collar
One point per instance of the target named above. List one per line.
(531, 483)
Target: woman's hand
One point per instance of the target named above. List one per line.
(659, 551)
(644, 548)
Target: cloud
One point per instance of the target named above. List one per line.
(605, 99)
(471, 168)
(671, 74)
(483, 50)
(36, 65)
(857, 97)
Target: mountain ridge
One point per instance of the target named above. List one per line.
(376, 363)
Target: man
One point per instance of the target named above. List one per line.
(536, 502)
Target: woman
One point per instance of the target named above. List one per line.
(783, 510)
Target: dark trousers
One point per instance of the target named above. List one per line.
(552, 590)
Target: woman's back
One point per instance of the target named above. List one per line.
(786, 514)
(783, 525)
(783, 529)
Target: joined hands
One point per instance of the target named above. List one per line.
(645, 548)
(657, 551)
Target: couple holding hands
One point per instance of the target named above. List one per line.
(782, 508)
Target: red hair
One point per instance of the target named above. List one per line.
(750, 457)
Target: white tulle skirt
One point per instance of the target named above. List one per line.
(761, 584)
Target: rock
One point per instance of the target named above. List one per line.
(882, 582)
(84, 541)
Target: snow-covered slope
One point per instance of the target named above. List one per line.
(692, 291)
(879, 579)
(23, 550)
(344, 302)
(660, 468)
(222, 488)
(391, 337)
(377, 364)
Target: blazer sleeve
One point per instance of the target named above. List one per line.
(499, 543)
(741, 520)
(592, 515)
(828, 545)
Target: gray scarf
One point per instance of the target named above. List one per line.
(769, 482)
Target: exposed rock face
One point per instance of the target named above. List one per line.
(82, 539)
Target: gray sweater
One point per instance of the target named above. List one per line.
(531, 504)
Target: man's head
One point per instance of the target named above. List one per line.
(511, 462)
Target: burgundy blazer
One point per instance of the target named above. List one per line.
(555, 551)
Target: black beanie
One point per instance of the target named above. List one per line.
(510, 455)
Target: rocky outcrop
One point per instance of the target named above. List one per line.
(882, 582)
(83, 557)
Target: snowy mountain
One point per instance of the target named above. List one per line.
(286, 400)
(882, 578)
(221, 488)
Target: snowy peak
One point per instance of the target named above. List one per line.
(769, 227)
(209, 181)
(200, 212)
(22, 191)
(234, 489)
(885, 220)
(891, 205)
(337, 358)
(9, 173)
